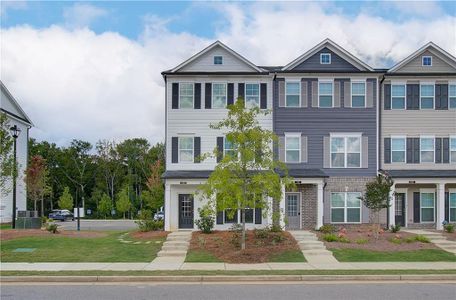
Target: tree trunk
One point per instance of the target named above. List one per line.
(42, 206)
(34, 204)
(243, 229)
(124, 215)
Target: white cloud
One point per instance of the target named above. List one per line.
(11, 5)
(82, 15)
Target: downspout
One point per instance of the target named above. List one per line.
(379, 140)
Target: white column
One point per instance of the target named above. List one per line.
(320, 204)
(282, 208)
(167, 206)
(392, 208)
(440, 205)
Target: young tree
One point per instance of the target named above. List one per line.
(377, 197)
(153, 198)
(6, 155)
(109, 164)
(247, 176)
(104, 206)
(66, 200)
(36, 179)
(123, 203)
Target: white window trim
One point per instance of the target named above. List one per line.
(449, 84)
(332, 95)
(422, 60)
(405, 95)
(224, 148)
(193, 95)
(427, 191)
(212, 94)
(433, 95)
(365, 92)
(421, 148)
(345, 209)
(179, 150)
(346, 136)
(452, 137)
(405, 148)
(450, 191)
(299, 94)
(325, 63)
(259, 92)
(293, 135)
(214, 60)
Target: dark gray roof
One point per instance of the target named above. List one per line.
(298, 173)
(422, 173)
(306, 173)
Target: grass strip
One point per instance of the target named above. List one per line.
(423, 255)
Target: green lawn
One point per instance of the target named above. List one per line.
(55, 248)
(288, 256)
(424, 255)
(5, 226)
(200, 256)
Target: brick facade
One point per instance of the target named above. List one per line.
(308, 205)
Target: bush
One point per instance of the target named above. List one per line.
(410, 240)
(395, 228)
(328, 228)
(396, 241)
(362, 241)
(422, 239)
(330, 237)
(449, 228)
(277, 238)
(44, 221)
(343, 239)
(261, 233)
(276, 228)
(206, 221)
(52, 228)
(146, 223)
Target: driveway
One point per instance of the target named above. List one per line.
(99, 225)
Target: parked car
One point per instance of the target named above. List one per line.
(61, 215)
(160, 215)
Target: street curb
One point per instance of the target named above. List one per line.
(228, 278)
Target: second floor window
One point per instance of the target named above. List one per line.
(185, 149)
(397, 150)
(358, 94)
(228, 148)
(252, 95)
(218, 95)
(427, 149)
(452, 96)
(427, 96)
(292, 149)
(293, 90)
(453, 149)
(398, 96)
(186, 95)
(346, 152)
(325, 94)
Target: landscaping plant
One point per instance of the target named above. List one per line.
(146, 223)
(327, 228)
(206, 221)
(330, 237)
(449, 228)
(52, 228)
(395, 228)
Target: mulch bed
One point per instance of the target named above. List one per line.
(258, 250)
(18, 233)
(382, 244)
(149, 235)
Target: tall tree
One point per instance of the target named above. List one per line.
(123, 201)
(36, 179)
(109, 164)
(247, 176)
(66, 200)
(6, 155)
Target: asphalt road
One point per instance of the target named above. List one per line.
(282, 291)
(99, 225)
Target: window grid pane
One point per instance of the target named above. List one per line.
(252, 95)
(398, 96)
(398, 149)
(185, 95)
(292, 94)
(292, 148)
(427, 96)
(358, 94)
(218, 95)
(325, 90)
(186, 149)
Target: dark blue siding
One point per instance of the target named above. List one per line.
(338, 64)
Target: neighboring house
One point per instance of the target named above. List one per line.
(418, 137)
(16, 116)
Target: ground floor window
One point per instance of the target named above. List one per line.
(345, 207)
(427, 203)
(452, 207)
(232, 216)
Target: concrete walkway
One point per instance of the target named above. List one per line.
(173, 252)
(436, 238)
(314, 251)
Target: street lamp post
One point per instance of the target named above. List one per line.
(15, 131)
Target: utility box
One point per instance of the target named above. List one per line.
(28, 219)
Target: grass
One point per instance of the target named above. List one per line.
(288, 256)
(201, 256)
(423, 255)
(5, 226)
(55, 248)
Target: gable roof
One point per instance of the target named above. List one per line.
(23, 117)
(334, 47)
(436, 50)
(212, 46)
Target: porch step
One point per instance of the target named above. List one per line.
(176, 243)
(178, 238)
(319, 252)
(172, 253)
(174, 247)
(303, 246)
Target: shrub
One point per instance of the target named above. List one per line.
(276, 228)
(449, 228)
(261, 233)
(422, 239)
(396, 241)
(395, 228)
(206, 221)
(44, 221)
(52, 227)
(327, 228)
(146, 223)
(410, 240)
(277, 238)
(343, 239)
(330, 237)
(362, 241)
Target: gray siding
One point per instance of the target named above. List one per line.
(415, 65)
(338, 64)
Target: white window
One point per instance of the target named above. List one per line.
(292, 148)
(398, 149)
(427, 60)
(453, 149)
(452, 95)
(218, 60)
(427, 203)
(452, 206)
(325, 58)
(345, 207)
(186, 95)
(292, 92)
(427, 149)
(398, 96)
(427, 96)
(186, 149)
(252, 95)
(325, 94)
(358, 92)
(345, 151)
(219, 95)
(228, 148)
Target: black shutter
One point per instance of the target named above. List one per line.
(416, 207)
(263, 96)
(219, 148)
(447, 206)
(219, 217)
(241, 90)
(386, 97)
(416, 96)
(410, 150)
(441, 96)
(174, 145)
(175, 96)
(208, 96)
(437, 103)
(387, 142)
(230, 99)
(409, 96)
(197, 104)
(438, 150)
(196, 149)
(258, 216)
(416, 150)
(446, 150)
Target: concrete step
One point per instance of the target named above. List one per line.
(178, 238)
(176, 243)
(174, 247)
(172, 253)
(316, 252)
(178, 234)
(311, 242)
(311, 247)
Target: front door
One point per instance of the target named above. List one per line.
(400, 209)
(186, 211)
(293, 211)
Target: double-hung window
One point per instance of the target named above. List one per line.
(218, 95)
(427, 96)
(186, 95)
(228, 148)
(452, 205)
(186, 149)
(427, 149)
(345, 207)
(398, 96)
(293, 90)
(325, 94)
(452, 96)
(398, 149)
(427, 204)
(358, 92)
(252, 95)
(345, 151)
(292, 148)
(453, 149)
